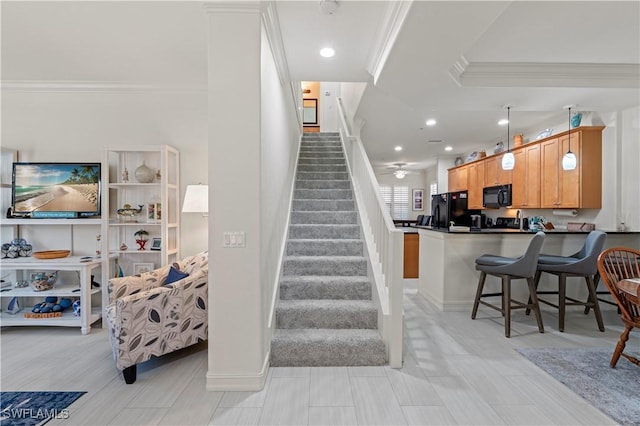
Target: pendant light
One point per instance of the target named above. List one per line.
(508, 160)
(569, 161)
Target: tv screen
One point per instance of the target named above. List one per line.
(55, 190)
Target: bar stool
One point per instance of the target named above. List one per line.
(581, 264)
(508, 268)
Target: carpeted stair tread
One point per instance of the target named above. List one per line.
(327, 313)
(322, 175)
(320, 347)
(325, 265)
(324, 218)
(322, 161)
(325, 287)
(322, 184)
(320, 230)
(323, 205)
(323, 194)
(322, 168)
(325, 247)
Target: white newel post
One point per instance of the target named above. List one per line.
(237, 358)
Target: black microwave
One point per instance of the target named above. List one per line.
(494, 197)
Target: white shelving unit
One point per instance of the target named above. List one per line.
(162, 194)
(79, 288)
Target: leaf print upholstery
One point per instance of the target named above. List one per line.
(147, 319)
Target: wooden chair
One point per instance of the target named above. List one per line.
(616, 265)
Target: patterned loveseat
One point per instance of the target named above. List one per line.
(148, 318)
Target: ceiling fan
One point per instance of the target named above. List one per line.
(399, 170)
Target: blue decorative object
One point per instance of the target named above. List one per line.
(76, 308)
(14, 306)
(175, 275)
(65, 303)
(576, 119)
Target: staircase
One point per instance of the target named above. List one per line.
(325, 315)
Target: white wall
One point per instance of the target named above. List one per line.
(76, 125)
(280, 139)
(329, 94)
(351, 94)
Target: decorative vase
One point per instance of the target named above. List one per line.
(517, 140)
(576, 119)
(144, 174)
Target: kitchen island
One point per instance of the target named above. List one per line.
(448, 277)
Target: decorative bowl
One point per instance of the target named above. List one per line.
(545, 133)
(40, 281)
(51, 254)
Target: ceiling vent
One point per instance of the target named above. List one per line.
(434, 141)
(328, 7)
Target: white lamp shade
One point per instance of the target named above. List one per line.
(508, 161)
(196, 199)
(400, 174)
(569, 161)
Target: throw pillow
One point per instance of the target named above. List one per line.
(174, 275)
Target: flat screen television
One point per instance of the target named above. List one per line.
(55, 190)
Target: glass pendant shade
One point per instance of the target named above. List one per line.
(400, 174)
(569, 161)
(508, 161)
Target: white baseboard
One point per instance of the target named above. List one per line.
(235, 382)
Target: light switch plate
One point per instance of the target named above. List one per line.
(233, 239)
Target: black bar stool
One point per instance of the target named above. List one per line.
(508, 268)
(581, 264)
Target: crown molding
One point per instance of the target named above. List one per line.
(525, 74)
(80, 86)
(392, 24)
(271, 24)
(233, 6)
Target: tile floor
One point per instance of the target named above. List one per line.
(456, 371)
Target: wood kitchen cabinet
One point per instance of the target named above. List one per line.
(458, 178)
(579, 188)
(538, 180)
(493, 174)
(475, 179)
(411, 255)
(525, 190)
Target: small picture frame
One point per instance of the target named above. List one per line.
(418, 200)
(141, 268)
(156, 243)
(151, 213)
(154, 212)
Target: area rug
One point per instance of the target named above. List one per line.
(586, 371)
(35, 408)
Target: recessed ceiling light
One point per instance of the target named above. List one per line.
(431, 122)
(448, 148)
(398, 148)
(503, 122)
(327, 52)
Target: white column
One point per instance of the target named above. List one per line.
(237, 356)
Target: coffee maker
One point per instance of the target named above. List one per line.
(476, 222)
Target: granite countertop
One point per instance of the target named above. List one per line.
(514, 231)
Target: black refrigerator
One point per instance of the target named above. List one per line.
(450, 207)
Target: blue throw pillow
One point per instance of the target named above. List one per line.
(174, 275)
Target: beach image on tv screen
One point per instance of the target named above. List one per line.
(56, 187)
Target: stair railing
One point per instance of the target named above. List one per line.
(384, 243)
